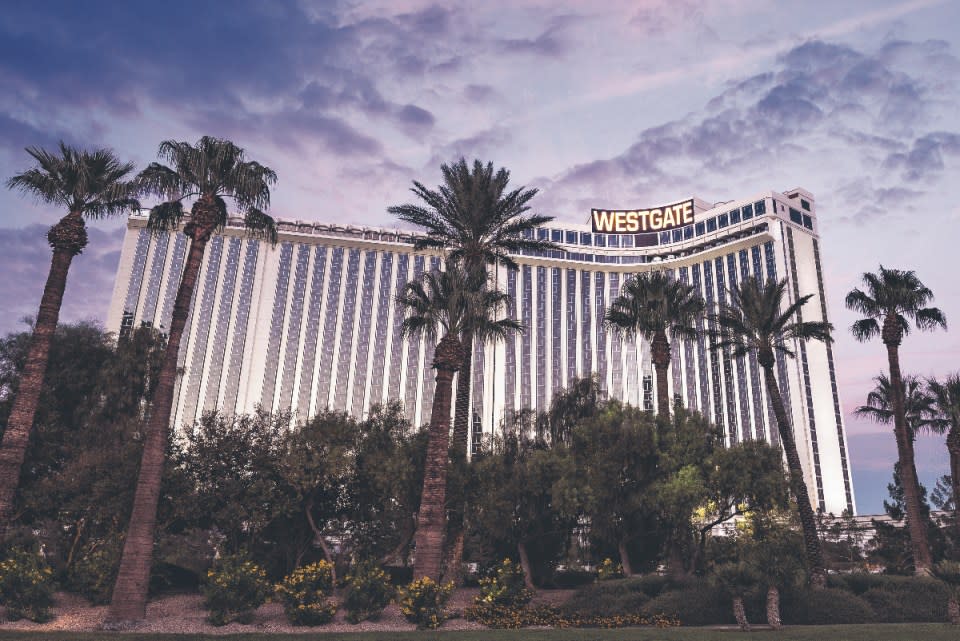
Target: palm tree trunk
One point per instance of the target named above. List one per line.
(625, 558)
(953, 446)
(129, 601)
(916, 526)
(660, 355)
(461, 412)
(525, 565)
(773, 608)
(808, 522)
(433, 509)
(68, 238)
(740, 614)
(953, 609)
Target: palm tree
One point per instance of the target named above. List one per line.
(88, 185)
(752, 322)
(889, 300)
(446, 304)
(207, 172)
(478, 223)
(946, 410)
(918, 404)
(653, 306)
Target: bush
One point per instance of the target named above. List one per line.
(423, 602)
(828, 606)
(234, 589)
(697, 603)
(567, 579)
(608, 570)
(95, 572)
(898, 599)
(501, 616)
(368, 593)
(505, 587)
(26, 586)
(304, 593)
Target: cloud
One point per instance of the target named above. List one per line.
(25, 261)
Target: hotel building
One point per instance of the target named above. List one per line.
(311, 323)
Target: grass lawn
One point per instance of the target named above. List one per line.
(877, 632)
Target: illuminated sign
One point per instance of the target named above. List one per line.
(635, 221)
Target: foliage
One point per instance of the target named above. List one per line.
(94, 573)
(502, 616)
(505, 586)
(608, 570)
(609, 598)
(825, 606)
(424, 602)
(26, 586)
(368, 592)
(898, 598)
(304, 594)
(696, 603)
(234, 589)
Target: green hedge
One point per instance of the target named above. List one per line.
(899, 599)
(698, 603)
(825, 607)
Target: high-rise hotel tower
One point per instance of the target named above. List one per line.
(311, 322)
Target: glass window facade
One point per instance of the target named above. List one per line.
(329, 329)
(312, 330)
(207, 302)
(219, 346)
(241, 326)
(292, 348)
(378, 364)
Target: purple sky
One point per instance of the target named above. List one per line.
(611, 104)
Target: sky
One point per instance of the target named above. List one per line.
(612, 104)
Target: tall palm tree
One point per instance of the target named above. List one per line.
(88, 185)
(752, 322)
(206, 172)
(653, 306)
(890, 299)
(478, 223)
(918, 405)
(946, 412)
(446, 304)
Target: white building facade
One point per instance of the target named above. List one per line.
(311, 323)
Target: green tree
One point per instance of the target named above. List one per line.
(88, 185)
(514, 508)
(446, 304)
(207, 172)
(476, 222)
(889, 300)
(918, 405)
(752, 322)
(946, 408)
(654, 306)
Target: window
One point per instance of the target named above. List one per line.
(805, 204)
(613, 240)
(543, 234)
(699, 229)
(688, 232)
(584, 238)
(796, 216)
(723, 220)
(712, 225)
(556, 235)
(759, 208)
(626, 241)
(677, 235)
(734, 216)
(571, 237)
(664, 237)
(599, 240)
(747, 212)
(807, 221)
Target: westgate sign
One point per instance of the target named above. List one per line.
(636, 221)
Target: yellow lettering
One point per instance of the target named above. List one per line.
(644, 216)
(632, 224)
(668, 219)
(687, 212)
(619, 224)
(603, 221)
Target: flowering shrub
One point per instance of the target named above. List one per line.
(607, 570)
(304, 594)
(505, 587)
(368, 593)
(26, 586)
(234, 589)
(95, 572)
(422, 602)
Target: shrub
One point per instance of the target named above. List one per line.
(95, 571)
(304, 594)
(423, 602)
(608, 570)
(696, 603)
(500, 616)
(234, 589)
(505, 587)
(915, 601)
(570, 578)
(368, 593)
(26, 586)
(825, 607)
